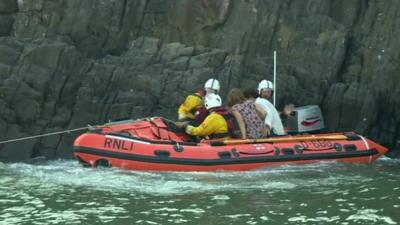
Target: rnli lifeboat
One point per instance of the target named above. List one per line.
(154, 144)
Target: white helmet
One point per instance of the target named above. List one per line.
(265, 84)
(212, 84)
(212, 100)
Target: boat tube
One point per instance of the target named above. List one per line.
(154, 144)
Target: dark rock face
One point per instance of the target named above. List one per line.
(7, 9)
(68, 63)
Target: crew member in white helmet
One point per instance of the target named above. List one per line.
(193, 106)
(215, 125)
(212, 86)
(272, 120)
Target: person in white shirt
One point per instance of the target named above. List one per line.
(272, 120)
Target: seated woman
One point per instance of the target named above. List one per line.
(248, 114)
(214, 126)
(275, 118)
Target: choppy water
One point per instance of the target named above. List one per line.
(63, 192)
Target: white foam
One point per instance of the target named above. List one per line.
(365, 215)
(165, 209)
(146, 222)
(220, 197)
(264, 218)
(178, 220)
(28, 188)
(236, 216)
(195, 210)
(304, 219)
(49, 178)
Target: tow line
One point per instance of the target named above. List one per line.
(43, 135)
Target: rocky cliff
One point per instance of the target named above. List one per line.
(68, 63)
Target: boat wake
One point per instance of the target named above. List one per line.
(66, 174)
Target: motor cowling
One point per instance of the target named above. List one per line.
(304, 119)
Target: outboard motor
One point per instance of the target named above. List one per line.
(304, 119)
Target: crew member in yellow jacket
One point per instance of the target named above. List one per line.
(215, 125)
(193, 107)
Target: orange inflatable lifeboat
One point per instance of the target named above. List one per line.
(151, 144)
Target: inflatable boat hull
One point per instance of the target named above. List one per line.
(154, 147)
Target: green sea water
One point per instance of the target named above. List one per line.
(63, 192)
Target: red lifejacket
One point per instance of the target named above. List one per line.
(233, 125)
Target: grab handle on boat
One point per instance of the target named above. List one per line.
(279, 139)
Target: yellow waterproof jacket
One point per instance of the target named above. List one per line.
(213, 124)
(189, 107)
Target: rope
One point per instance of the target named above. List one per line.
(43, 135)
(62, 132)
(168, 120)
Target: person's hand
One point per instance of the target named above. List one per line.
(267, 131)
(181, 116)
(181, 124)
(189, 129)
(288, 109)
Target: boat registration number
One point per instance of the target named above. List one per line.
(317, 144)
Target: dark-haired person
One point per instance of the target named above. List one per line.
(248, 114)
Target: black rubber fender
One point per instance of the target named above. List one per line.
(277, 151)
(338, 147)
(299, 149)
(102, 163)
